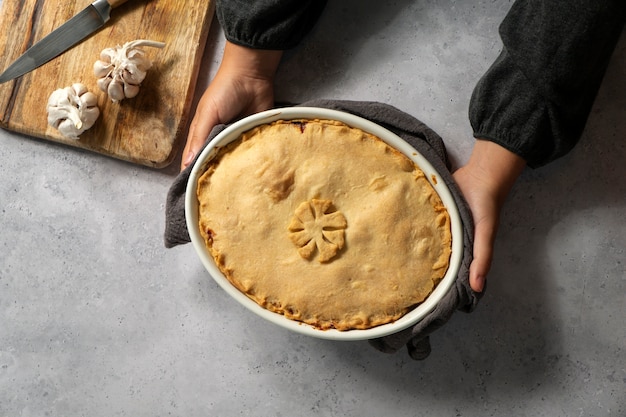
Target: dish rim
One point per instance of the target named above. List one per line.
(233, 131)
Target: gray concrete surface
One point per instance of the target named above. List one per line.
(97, 318)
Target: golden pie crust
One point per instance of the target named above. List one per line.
(324, 223)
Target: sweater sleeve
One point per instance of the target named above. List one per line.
(537, 95)
(268, 24)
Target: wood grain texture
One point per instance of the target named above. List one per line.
(147, 129)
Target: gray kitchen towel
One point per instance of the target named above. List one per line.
(430, 145)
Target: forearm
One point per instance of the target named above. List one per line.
(268, 24)
(536, 97)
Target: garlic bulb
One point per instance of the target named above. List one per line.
(72, 110)
(121, 70)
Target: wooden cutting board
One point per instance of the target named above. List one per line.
(147, 129)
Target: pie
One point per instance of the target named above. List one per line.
(324, 223)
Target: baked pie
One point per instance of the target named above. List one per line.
(324, 223)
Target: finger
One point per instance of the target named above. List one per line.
(484, 237)
(198, 133)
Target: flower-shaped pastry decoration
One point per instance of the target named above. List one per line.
(316, 225)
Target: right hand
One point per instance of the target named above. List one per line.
(243, 85)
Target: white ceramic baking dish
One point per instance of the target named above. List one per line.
(233, 131)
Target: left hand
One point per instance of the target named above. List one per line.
(243, 85)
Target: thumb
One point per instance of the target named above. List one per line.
(203, 122)
(484, 237)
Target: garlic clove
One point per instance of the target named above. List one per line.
(131, 90)
(89, 100)
(116, 91)
(103, 83)
(102, 69)
(79, 90)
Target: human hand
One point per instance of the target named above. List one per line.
(485, 182)
(243, 85)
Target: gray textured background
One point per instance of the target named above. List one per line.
(98, 319)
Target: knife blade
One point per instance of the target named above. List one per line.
(70, 33)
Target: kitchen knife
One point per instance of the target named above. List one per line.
(63, 38)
